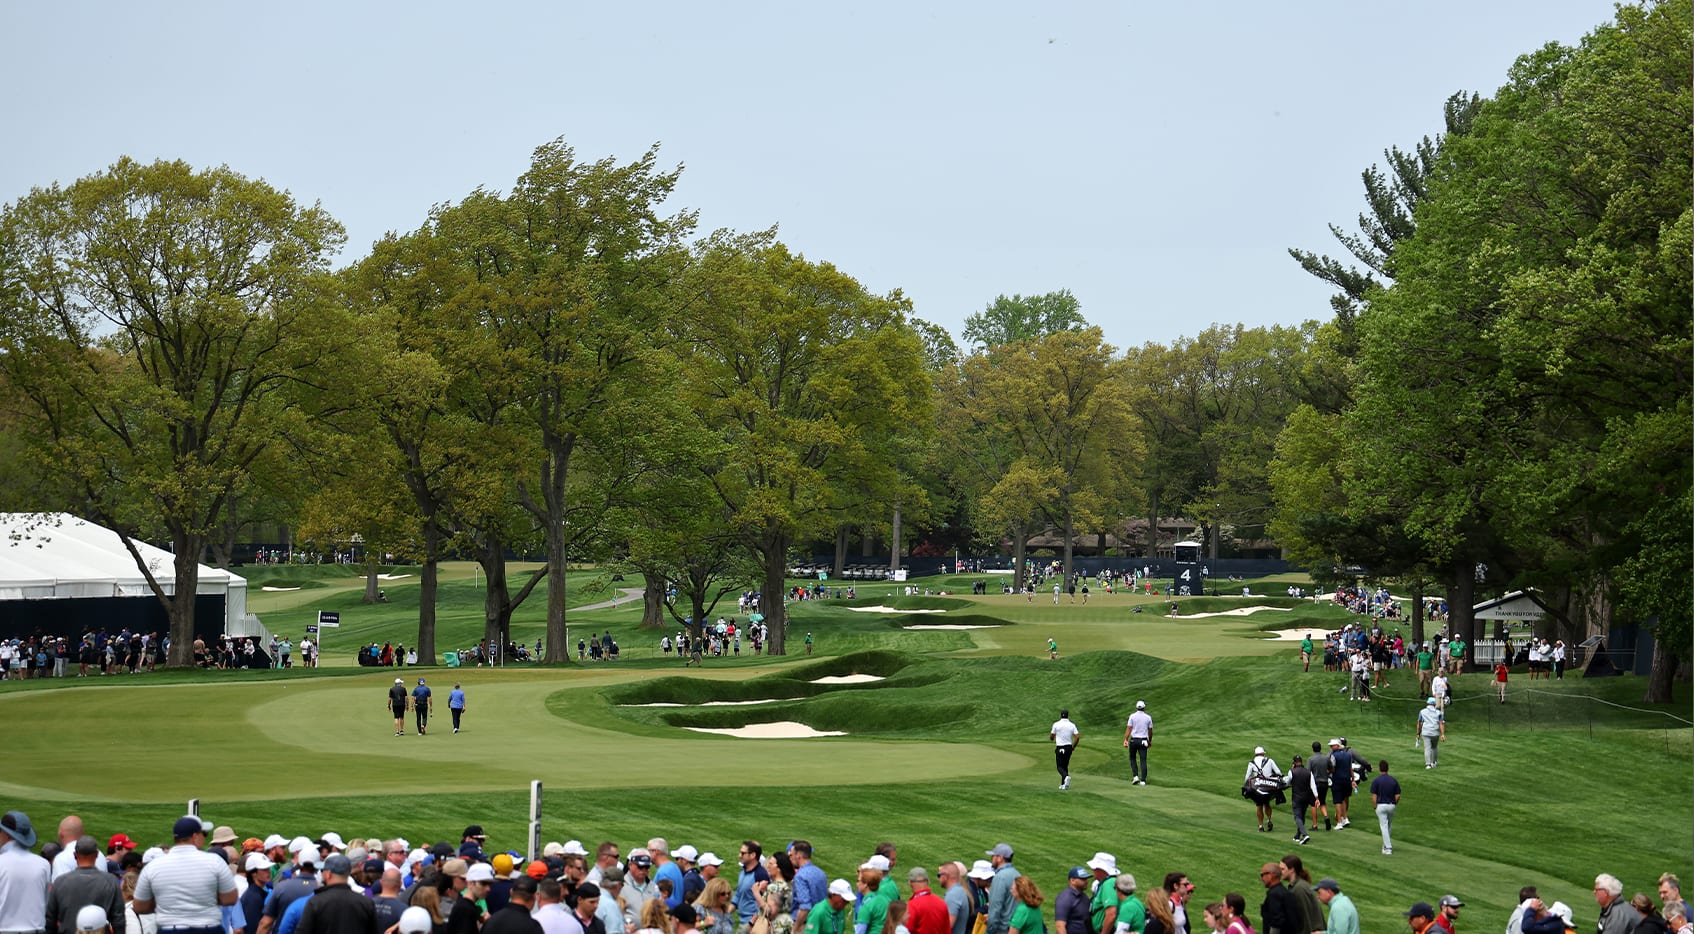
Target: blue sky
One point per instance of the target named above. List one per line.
(1156, 159)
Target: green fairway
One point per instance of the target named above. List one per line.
(946, 754)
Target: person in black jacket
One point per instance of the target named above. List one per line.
(1279, 913)
(336, 908)
(515, 917)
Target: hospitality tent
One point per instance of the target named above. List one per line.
(61, 575)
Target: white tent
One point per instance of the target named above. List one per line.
(57, 556)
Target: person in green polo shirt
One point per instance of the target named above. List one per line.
(830, 915)
(1103, 910)
(1426, 668)
(1132, 914)
(872, 910)
(1306, 652)
(1456, 654)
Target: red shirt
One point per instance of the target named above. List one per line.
(1500, 672)
(926, 913)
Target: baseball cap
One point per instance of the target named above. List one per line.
(841, 888)
(481, 872)
(189, 825)
(471, 851)
(301, 844)
(877, 861)
(640, 859)
(153, 853)
(553, 849)
(455, 867)
(1330, 884)
(1451, 901)
(611, 875)
(120, 839)
(223, 834)
(91, 918)
(1420, 910)
(255, 861)
(309, 857)
(1430, 702)
(981, 869)
(1002, 850)
(474, 830)
(1080, 872)
(399, 680)
(1140, 705)
(373, 869)
(334, 840)
(712, 859)
(536, 870)
(686, 851)
(573, 848)
(502, 864)
(339, 865)
(252, 845)
(1258, 750)
(420, 680)
(275, 839)
(415, 920)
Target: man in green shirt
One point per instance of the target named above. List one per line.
(1456, 654)
(872, 909)
(1306, 652)
(1132, 915)
(1426, 668)
(830, 915)
(1343, 917)
(1103, 910)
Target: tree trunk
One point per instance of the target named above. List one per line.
(496, 602)
(1661, 679)
(558, 634)
(775, 554)
(1020, 546)
(1070, 535)
(1461, 606)
(1152, 524)
(894, 539)
(840, 566)
(428, 579)
(373, 593)
(1417, 616)
(653, 602)
(180, 607)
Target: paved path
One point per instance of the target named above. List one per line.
(629, 593)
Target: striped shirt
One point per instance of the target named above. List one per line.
(184, 885)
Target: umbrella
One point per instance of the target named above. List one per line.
(756, 617)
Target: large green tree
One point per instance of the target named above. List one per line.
(1010, 319)
(810, 380)
(157, 322)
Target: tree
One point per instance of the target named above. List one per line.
(809, 380)
(1023, 317)
(156, 322)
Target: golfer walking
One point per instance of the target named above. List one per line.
(1137, 736)
(1064, 735)
(397, 705)
(456, 704)
(1432, 727)
(423, 704)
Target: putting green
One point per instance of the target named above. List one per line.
(249, 741)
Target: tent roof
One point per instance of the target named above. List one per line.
(1519, 604)
(42, 549)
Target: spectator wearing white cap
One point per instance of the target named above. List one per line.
(830, 915)
(92, 919)
(872, 908)
(467, 916)
(416, 920)
(257, 869)
(186, 888)
(1137, 736)
(85, 885)
(1103, 907)
(286, 892)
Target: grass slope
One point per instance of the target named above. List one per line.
(948, 754)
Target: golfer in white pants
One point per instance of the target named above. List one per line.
(1432, 726)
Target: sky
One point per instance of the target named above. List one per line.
(1156, 159)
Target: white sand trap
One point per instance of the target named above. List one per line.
(781, 729)
(846, 679)
(888, 609)
(1239, 611)
(279, 589)
(1295, 635)
(392, 577)
(719, 703)
(947, 626)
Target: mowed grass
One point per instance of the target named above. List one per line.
(948, 755)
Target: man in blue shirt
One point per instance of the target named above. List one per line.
(422, 704)
(750, 884)
(456, 705)
(811, 886)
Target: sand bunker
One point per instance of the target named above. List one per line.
(1295, 635)
(781, 729)
(888, 609)
(948, 626)
(846, 679)
(1240, 611)
(718, 703)
(278, 589)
